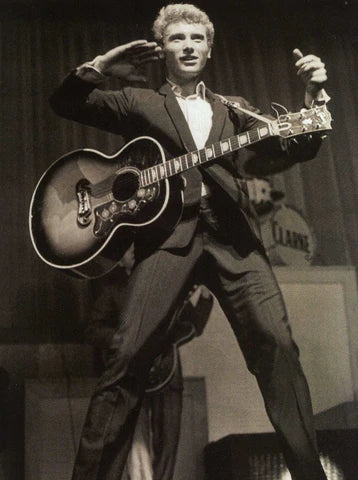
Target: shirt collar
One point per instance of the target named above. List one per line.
(200, 90)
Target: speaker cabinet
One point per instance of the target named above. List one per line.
(258, 456)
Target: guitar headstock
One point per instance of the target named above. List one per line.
(316, 119)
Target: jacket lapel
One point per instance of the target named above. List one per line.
(220, 115)
(177, 117)
(221, 175)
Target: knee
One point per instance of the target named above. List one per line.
(270, 352)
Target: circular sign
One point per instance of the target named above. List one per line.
(288, 238)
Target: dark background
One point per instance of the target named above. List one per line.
(252, 57)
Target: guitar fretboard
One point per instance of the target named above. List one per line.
(198, 157)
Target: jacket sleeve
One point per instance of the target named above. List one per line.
(299, 149)
(76, 99)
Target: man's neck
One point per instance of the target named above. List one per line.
(187, 86)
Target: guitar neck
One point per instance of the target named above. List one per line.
(316, 119)
(198, 157)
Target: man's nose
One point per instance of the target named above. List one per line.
(188, 47)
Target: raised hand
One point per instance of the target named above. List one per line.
(125, 61)
(312, 71)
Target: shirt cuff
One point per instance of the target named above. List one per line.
(89, 73)
(320, 99)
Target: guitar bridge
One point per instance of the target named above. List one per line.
(84, 209)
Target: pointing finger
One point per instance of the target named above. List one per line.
(297, 53)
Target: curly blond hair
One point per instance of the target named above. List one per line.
(181, 12)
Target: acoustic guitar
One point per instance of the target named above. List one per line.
(87, 205)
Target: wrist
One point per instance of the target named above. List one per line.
(90, 72)
(317, 97)
(99, 64)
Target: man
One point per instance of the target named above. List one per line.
(215, 242)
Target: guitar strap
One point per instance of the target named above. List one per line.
(230, 103)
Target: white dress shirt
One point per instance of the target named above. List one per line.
(199, 116)
(197, 112)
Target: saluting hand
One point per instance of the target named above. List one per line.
(125, 61)
(312, 71)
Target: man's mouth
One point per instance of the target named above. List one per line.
(188, 58)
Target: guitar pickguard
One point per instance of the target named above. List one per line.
(111, 213)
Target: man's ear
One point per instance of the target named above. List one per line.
(209, 54)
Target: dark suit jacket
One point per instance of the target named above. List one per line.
(133, 112)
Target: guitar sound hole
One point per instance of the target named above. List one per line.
(125, 186)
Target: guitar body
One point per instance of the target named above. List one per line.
(87, 206)
(165, 365)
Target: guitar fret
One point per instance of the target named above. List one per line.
(195, 158)
(243, 139)
(225, 146)
(263, 132)
(209, 153)
(167, 168)
(202, 155)
(161, 169)
(253, 136)
(177, 165)
(217, 149)
(234, 142)
(172, 166)
(154, 174)
(182, 161)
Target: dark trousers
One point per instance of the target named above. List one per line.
(165, 408)
(156, 443)
(244, 284)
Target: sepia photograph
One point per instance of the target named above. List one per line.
(180, 240)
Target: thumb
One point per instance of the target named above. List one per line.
(297, 53)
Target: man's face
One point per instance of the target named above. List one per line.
(186, 50)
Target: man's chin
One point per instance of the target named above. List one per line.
(190, 72)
